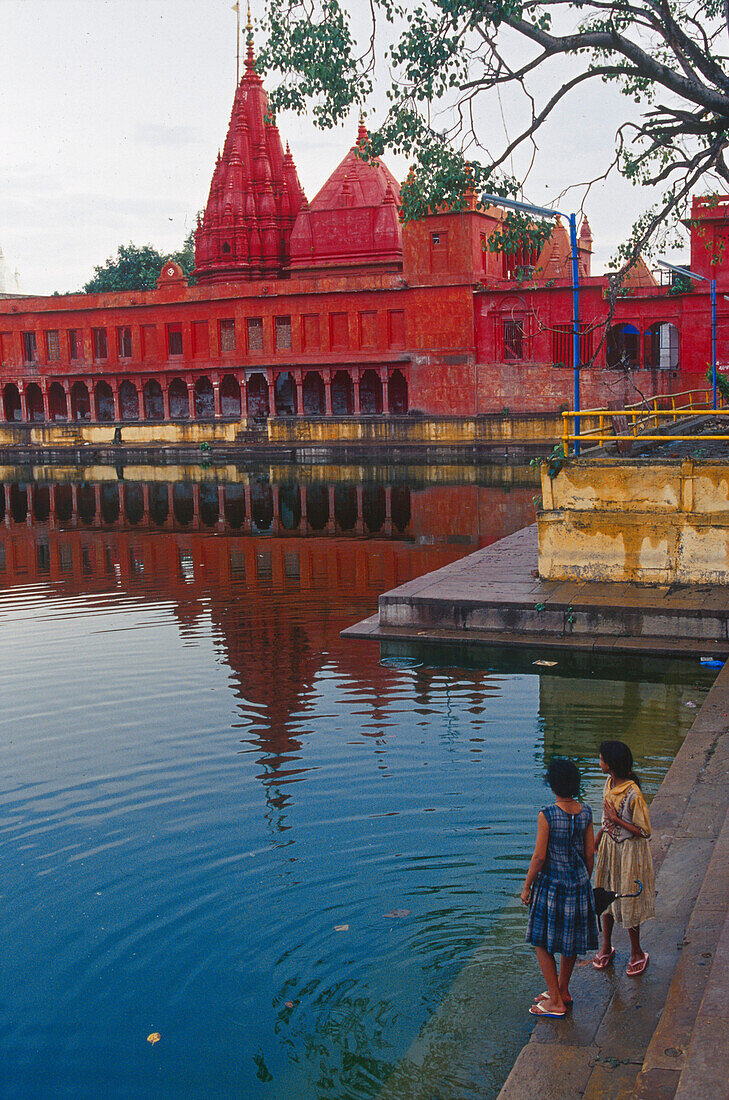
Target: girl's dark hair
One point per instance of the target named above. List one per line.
(619, 759)
(564, 778)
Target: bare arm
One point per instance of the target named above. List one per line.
(589, 848)
(538, 858)
(613, 817)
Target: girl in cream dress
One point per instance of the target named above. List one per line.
(623, 855)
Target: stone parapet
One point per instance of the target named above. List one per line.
(636, 522)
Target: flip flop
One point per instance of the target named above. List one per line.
(537, 1010)
(602, 961)
(544, 996)
(634, 969)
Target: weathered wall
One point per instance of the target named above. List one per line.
(543, 428)
(639, 521)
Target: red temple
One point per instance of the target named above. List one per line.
(335, 309)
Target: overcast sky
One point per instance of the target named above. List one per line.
(113, 111)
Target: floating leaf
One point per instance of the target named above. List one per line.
(154, 1037)
(341, 928)
(398, 913)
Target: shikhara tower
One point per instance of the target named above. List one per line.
(255, 194)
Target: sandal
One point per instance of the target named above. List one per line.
(603, 959)
(537, 1010)
(636, 968)
(545, 997)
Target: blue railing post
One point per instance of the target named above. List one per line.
(575, 327)
(713, 337)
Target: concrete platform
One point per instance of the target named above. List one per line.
(495, 596)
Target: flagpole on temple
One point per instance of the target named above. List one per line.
(236, 9)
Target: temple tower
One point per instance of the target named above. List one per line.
(255, 193)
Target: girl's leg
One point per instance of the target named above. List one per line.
(549, 970)
(636, 951)
(566, 966)
(605, 954)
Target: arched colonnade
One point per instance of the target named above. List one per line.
(346, 391)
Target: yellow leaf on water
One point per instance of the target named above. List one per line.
(154, 1037)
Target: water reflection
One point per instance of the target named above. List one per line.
(222, 803)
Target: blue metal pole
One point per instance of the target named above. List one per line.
(713, 336)
(575, 327)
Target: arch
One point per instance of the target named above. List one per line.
(317, 506)
(261, 504)
(204, 400)
(400, 507)
(285, 394)
(622, 347)
(179, 400)
(128, 400)
(209, 503)
(289, 506)
(370, 393)
(80, 403)
(234, 505)
(660, 346)
(374, 508)
(41, 503)
(345, 507)
(57, 405)
(133, 503)
(64, 503)
(159, 504)
(257, 397)
(34, 402)
(86, 502)
(313, 392)
(18, 502)
(397, 393)
(110, 502)
(182, 503)
(153, 401)
(104, 401)
(12, 409)
(342, 394)
(230, 401)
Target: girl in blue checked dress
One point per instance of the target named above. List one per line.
(557, 888)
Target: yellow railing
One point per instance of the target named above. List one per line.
(634, 422)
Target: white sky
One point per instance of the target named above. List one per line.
(112, 112)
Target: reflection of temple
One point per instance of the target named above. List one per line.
(274, 568)
(260, 504)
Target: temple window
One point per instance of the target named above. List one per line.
(283, 333)
(149, 341)
(255, 334)
(101, 350)
(396, 328)
(174, 339)
(439, 252)
(339, 330)
(200, 339)
(512, 333)
(227, 335)
(53, 345)
(124, 341)
(562, 344)
(368, 329)
(484, 253)
(75, 343)
(30, 348)
(311, 333)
